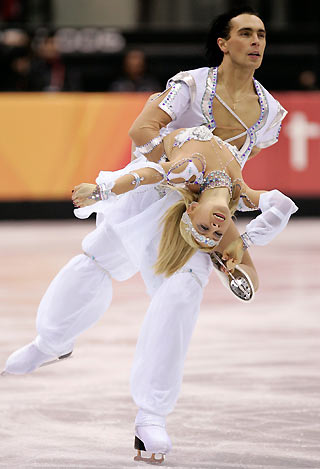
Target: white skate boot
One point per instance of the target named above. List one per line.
(151, 436)
(29, 358)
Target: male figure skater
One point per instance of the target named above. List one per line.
(227, 99)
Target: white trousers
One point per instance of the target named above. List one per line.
(82, 292)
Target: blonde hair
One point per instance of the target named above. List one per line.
(177, 245)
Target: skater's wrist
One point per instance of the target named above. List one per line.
(101, 192)
(246, 241)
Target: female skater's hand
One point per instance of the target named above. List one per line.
(81, 193)
(233, 254)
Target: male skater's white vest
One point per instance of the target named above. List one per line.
(189, 104)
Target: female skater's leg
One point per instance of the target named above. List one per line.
(161, 350)
(76, 298)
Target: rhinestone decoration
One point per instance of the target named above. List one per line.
(137, 179)
(206, 106)
(197, 236)
(201, 133)
(217, 178)
(166, 104)
(189, 171)
(149, 146)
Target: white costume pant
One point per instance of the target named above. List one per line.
(81, 293)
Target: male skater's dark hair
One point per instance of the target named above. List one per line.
(220, 27)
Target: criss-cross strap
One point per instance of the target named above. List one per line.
(234, 115)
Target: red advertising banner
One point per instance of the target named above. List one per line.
(293, 164)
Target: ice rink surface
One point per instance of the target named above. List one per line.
(251, 392)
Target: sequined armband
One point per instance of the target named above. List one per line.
(151, 145)
(102, 192)
(246, 241)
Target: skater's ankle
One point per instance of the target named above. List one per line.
(145, 418)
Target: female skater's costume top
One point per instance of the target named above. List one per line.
(134, 218)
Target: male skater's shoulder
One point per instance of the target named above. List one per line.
(184, 102)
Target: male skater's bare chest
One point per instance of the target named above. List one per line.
(227, 126)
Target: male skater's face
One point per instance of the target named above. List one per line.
(247, 41)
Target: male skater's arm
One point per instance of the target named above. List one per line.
(146, 128)
(158, 112)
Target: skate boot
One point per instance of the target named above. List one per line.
(151, 436)
(29, 358)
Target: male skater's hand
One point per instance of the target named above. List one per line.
(81, 193)
(233, 254)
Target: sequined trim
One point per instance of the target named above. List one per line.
(200, 238)
(188, 79)
(190, 170)
(151, 145)
(217, 178)
(250, 142)
(207, 98)
(242, 207)
(206, 106)
(166, 104)
(246, 240)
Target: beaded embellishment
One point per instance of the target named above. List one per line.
(197, 236)
(137, 179)
(149, 146)
(190, 170)
(217, 178)
(246, 240)
(206, 107)
(166, 104)
(103, 191)
(201, 133)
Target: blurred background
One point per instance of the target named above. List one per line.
(76, 73)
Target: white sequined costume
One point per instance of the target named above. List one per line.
(124, 242)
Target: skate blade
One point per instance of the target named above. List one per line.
(58, 359)
(151, 460)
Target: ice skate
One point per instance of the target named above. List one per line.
(29, 358)
(239, 283)
(151, 438)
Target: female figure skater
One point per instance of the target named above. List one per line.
(196, 221)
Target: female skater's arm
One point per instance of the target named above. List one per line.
(87, 194)
(246, 261)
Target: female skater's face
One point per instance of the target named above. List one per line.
(210, 220)
(247, 41)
